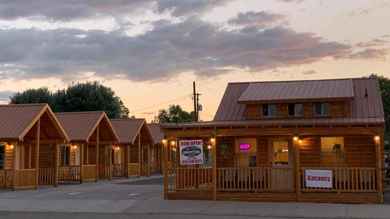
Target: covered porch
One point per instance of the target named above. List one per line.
(338, 163)
(29, 146)
(87, 157)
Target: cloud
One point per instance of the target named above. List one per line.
(379, 54)
(5, 95)
(67, 10)
(256, 19)
(166, 51)
(310, 72)
(372, 43)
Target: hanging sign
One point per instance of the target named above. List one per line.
(191, 152)
(319, 178)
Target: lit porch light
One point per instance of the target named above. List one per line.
(209, 147)
(377, 138)
(173, 143)
(164, 141)
(212, 141)
(11, 146)
(74, 147)
(296, 138)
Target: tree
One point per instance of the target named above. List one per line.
(175, 114)
(90, 96)
(384, 86)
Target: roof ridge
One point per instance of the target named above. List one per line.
(303, 80)
(23, 104)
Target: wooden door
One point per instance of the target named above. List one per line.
(282, 173)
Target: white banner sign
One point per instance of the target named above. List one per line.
(191, 152)
(318, 178)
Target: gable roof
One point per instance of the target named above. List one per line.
(81, 125)
(156, 132)
(366, 100)
(297, 90)
(16, 120)
(127, 129)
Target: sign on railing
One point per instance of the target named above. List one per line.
(319, 179)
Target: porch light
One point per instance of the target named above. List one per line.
(164, 141)
(212, 141)
(209, 147)
(173, 143)
(377, 138)
(74, 147)
(296, 138)
(300, 141)
(11, 146)
(117, 148)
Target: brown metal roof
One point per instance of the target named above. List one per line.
(127, 129)
(366, 100)
(81, 125)
(297, 90)
(156, 132)
(17, 119)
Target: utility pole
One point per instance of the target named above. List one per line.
(196, 102)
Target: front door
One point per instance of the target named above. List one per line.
(282, 174)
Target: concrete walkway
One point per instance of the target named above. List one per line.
(141, 198)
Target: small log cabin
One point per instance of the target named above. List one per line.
(87, 157)
(307, 141)
(132, 155)
(29, 135)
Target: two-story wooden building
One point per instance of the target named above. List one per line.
(315, 141)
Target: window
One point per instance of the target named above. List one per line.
(332, 151)
(280, 152)
(270, 110)
(2, 155)
(321, 109)
(295, 109)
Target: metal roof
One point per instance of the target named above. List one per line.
(127, 129)
(297, 90)
(156, 132)
(366, 101)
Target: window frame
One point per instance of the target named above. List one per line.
(324, 109)
(294, 105)
(267, 108)
(337, 156)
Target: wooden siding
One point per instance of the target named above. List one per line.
(9, 157)
(46, 156)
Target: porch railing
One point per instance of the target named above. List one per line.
(46, 176)
(69, 173)
(6, 178)
(345, 179)
(255, 179)
(133, 169)
(25, 178)
(118, 170)
(104, 171)
(89, 172)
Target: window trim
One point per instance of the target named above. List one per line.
(322, 104)
(268, 110)
(295, 115)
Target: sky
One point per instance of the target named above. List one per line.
(150, 51)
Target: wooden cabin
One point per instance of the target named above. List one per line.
(156, 155)
(132, 155)
(87, 157)
(29, 139)
(307, 141)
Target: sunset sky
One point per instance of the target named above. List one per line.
(149, 51)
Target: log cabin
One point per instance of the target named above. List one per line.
(305, 141)
(87, 156)
(132, 155)
(29, 139)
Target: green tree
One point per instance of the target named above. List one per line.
(384, 86)
(175, 114)
(90, 96)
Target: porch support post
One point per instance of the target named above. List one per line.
(297, 169)
(38, 136)
(149, 164)
(14, 164)
(140, 158)
(214, 157)
(97, 153)
(379, 158)
(110, 152)
(56, 162)
(81, 162)
(126, 147)
(165, 167)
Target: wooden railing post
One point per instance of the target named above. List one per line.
(297, 169)
(165, 168)
(379, 158)
(97, 153)
(126, 147)
(56, 162)
(38, 136)
(214, 157)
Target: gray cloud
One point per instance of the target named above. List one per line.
(165, 51)
(5, 95)
(256, 19)
(379, 54)
(67, 10)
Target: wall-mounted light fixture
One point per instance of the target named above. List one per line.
(164, 141)
(296, 138)
(74, 147)
(173, 143)
(377, 138)
(11, 146)
(209, 147)
(212, 141)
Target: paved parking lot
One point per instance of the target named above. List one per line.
(143, 199)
